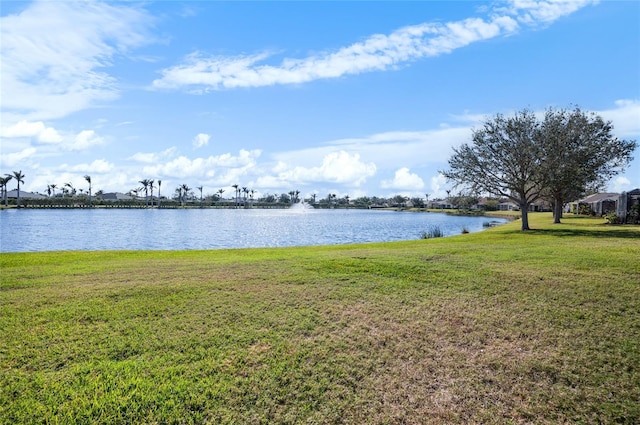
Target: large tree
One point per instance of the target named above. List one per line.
(503, 159)
(580, 154)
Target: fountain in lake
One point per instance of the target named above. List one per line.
(300, 207)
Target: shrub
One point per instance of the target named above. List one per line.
(612, 218)
(491, 205)
(434, 231)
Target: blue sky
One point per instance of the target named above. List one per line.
(352, 98)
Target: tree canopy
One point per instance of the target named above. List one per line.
(525, 159)
(580, 155)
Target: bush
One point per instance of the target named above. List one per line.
(491, 205)
(612, 218)
(584, 209)
(434, 231)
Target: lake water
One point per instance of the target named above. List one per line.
(152, 229)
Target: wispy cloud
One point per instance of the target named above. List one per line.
(54, 55)
(201, 72)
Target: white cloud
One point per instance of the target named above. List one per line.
(337, 167)
(625, 118)
(403, 179)
(379, 52)
(202, 139)
(30, 129)
(99, 166)
(54, 53)
(16, 158)
(388, 150)
(50, 135)
(153, 157)
(183, 167)
(541, 12)
(621, 183)
(438, 186)
(23, 129)
(85, 139)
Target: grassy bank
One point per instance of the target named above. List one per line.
(492, 327)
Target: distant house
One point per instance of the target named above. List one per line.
(439, 204)
(508, 206)
(13, 194)
(598, 204)
(116, 196)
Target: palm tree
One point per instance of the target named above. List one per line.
(235, 186)
(185, 190)
(220, 192)
(151, 186)
(246, 192)
(88, 179)
(20, 179)
(53, 189)
(200, 189)
(159, 184)
(71, 191)
(145, 186)
(4, 181)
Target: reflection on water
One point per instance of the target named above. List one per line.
(153, 229)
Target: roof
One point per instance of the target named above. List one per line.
(24, 195)
(599, 197)
(116, 196)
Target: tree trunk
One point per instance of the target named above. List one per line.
(524, 210)
(557, 210)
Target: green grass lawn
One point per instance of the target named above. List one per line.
(494, 327)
